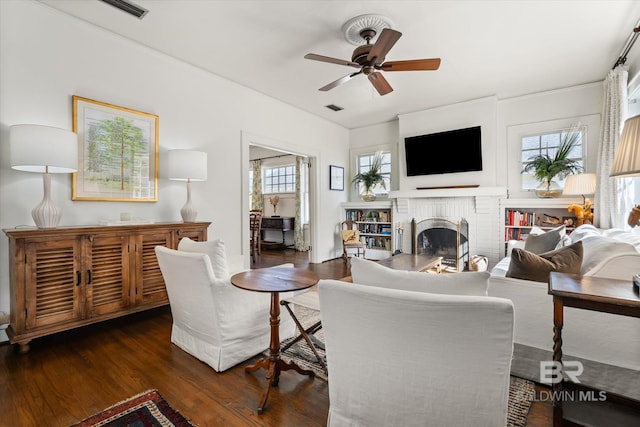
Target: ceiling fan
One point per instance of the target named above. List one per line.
(370, 59)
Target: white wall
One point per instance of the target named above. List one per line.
(47, 56)
(480, 112)
(498, 118)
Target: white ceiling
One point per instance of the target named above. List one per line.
(502, 48)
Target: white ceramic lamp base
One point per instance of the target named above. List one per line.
(46, 214)
(188, 211)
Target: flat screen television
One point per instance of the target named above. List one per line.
(452, 151)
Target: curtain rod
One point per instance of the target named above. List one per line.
(273, 157)
(628, 45)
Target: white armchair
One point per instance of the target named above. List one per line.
(213, 320)
(409, 358)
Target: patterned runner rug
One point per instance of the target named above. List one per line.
(147, 409)
(521, 391)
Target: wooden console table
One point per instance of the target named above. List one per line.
(278, 223)
(66, 277)
(587, 293)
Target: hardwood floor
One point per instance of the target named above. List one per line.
(72, 375)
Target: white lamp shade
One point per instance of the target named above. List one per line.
(627, 160)
(580, 184)
(187, 165)
(36, 148)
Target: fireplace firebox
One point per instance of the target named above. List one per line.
(442, 237)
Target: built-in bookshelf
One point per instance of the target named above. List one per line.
(520, 215)
(375, 224)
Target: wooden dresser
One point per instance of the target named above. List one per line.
(66, 277)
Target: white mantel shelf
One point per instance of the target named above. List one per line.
(450, 192)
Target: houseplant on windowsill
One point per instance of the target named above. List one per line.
(370, 178)
(545, 167)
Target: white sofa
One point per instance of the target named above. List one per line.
(213, 320)
(601, 337)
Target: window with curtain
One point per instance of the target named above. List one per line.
(280, 179)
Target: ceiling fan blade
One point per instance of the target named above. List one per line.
(411, 65)
(315, 57)
(380, 83)
(339, 81)
(383, 45)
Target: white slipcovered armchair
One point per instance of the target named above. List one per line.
(411, 358)
(213, 320)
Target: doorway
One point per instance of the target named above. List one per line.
(277, 166)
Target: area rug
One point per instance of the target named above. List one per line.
(521, 391)
(147, 409)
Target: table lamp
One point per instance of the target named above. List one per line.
(579, 185)
(188, 165)
(626, 163)
(46, 150)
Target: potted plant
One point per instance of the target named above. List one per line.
(370, 178)
(545, 167)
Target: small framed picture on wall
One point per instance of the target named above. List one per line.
(336, 178)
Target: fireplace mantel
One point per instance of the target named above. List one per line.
(449, 192)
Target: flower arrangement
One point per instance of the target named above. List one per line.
(274, 200)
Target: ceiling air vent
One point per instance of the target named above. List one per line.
(129, 7)
(334, 107)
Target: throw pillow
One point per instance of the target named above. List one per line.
(350, 236)
(544, 242)
(366, 272)
(213, 248)
(529, 266)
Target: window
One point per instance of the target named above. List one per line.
(547, 144)
(364, 163)
(281, 179)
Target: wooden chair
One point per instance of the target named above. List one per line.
(351, 240)
(255, 227)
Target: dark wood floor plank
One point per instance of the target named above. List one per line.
(71, 375)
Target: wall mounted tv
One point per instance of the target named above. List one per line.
(451, 151)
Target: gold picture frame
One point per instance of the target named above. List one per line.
(117, 153)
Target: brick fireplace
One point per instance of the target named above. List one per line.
(442, 237)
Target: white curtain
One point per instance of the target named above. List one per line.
(298, 223)
(612, 201)
(257, 201)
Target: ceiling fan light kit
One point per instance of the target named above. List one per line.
(370, 58)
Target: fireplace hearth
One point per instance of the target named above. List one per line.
(442, 237)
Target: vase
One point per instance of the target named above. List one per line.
(367, 195)
(548, 189)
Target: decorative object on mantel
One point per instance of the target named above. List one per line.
(188, 165)
(581, 184)
(370, 178)
(274, 200)
(626, 163)
(546, 167)
(47, 150)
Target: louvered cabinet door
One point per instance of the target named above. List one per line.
(53, 290)
(149, 284)
(106, 274)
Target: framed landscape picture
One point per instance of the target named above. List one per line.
(117, 153)
(336, 178)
